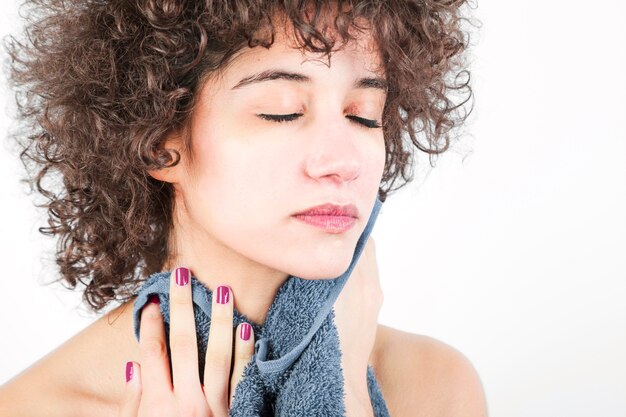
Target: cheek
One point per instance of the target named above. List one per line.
(375, 161)
(382, 156)
(241, 175)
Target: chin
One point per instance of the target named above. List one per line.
(315, 259)
(328, 269)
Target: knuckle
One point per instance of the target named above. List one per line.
(372, 286)
(215, 395)
(183, 342)
(189, 410)
(218, 364)
(374, 294)
(151, 315)
(377, 296)
(243, 356)
(179, 298)
(152, 348)
(156, 409)
(221, 319)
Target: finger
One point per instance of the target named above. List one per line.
(132, 391)
(244, 350)
(371, 266)
(153, 352)
(183, 345)
(219, 351)
(371, 244)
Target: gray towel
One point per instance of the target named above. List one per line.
(296, 367)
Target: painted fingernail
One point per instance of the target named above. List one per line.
(130, 370)
(244, 331)
(182, 276)
(223, 294)
(154, 299)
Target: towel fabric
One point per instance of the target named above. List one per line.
(296, 367)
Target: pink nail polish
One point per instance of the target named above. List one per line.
(130, 370)
(244, 331)
(223, 294)
(182, 276)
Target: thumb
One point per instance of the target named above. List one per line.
(132, 391)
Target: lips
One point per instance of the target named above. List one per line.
(329, 217)
(348, 210)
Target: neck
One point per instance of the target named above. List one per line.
(254, 286)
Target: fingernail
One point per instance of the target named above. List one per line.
(244, 331)
(130, 370)
(154, 299)
(223, 294)
(182, 276)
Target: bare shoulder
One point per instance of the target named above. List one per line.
(80, 377)
(422, 376)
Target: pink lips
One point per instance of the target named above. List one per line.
(330, 217)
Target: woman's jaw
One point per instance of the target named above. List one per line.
(314, 254)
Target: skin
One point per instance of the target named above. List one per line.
(233, 218)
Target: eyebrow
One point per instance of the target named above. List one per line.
(277, 74)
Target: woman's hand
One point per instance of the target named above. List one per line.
(149, 391)
(356, 318)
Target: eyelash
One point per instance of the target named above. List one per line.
(372, 124)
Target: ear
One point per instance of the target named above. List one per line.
(171, 174)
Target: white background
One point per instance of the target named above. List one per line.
(511, 249)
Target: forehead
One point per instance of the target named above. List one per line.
(358, 54)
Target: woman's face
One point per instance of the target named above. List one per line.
(251, 175)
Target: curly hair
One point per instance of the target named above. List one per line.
(99, 84)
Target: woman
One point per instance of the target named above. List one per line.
(212, 138)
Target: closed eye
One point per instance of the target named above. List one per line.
(372, 124)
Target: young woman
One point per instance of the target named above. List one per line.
(241, 142)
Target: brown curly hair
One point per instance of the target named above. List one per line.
(100, 84)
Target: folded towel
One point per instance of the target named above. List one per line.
(296, 367)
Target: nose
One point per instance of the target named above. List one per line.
(333, 154)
